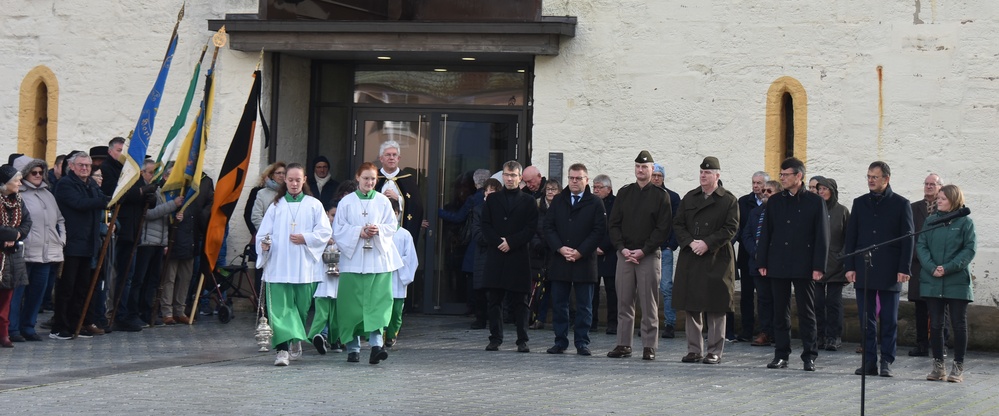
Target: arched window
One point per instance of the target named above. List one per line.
(786, 123)
(37, 116)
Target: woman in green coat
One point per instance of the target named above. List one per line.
(945, 279)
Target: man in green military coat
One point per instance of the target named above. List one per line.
(708, 218)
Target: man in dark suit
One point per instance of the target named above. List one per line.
(509, 221)
(877, 217)
(792, 251)
(402, 187)
(920, 210)
(573, 226)
(747, 307)
(606, 259)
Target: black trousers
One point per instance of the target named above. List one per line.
(747, 304)
(765, 302)
(922, 322)
(959, 321)
(829, 310)
(804, 295)
(70, 293)
(611, 292)
(521, 313)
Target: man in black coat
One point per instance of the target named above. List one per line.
(747, 203)
(793, 247)
(606, 259)
(877, 217)
(573, 227)
(132, 208)
(920, 210)
(509, 221)
(82, 204)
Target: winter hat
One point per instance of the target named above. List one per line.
(7, 172)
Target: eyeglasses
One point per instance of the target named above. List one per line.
(576, 178)
(768, 191)
(279, 173)
(35, 173)
(785, 174)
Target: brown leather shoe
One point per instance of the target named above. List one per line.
(648, 353)
(182, 319)
(711, 359)
(168, 320)
(761, 340)
(620, 351)
(93, 329)
(691, 357)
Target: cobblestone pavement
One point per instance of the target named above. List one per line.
(440, 367)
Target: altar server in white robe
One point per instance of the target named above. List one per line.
(401, 278)
(292, 261)
(363, 231)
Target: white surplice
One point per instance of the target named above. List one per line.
(383, 257)
(405, 275)
(287, 262)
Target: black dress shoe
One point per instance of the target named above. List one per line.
(556, 350)
(872, 370)
(493, 346)
(777, 363)
(17, 338)
(921, 350)
(478, 325)
(886, 369)
(711, 359)
(611, 330)
(648, 354)
(809, 365)
(389, 342)
(583, 351)
(354, 357)
(691, 357)
(620, 351)
(522, 347)
(668, 332)
(378, 354)
(32, 337)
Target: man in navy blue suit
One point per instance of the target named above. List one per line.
(877, 217)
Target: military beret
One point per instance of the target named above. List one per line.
(710, 162)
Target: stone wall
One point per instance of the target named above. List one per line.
(105, 57)
(689, 79)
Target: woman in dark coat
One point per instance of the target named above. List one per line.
(13, 273)
(829, 290)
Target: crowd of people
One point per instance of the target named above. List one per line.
(783, 241)
(530, 245)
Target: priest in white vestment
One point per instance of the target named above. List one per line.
(291, 259)
(363, 231)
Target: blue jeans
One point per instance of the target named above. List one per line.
(560, 313)
(374, 339)
(28, 299)
(666, 288)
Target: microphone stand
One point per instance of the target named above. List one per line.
(868, 252)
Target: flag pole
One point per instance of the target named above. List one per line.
(219, 39)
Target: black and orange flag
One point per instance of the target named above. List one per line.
(233, 175)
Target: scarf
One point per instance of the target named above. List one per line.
(10, 216)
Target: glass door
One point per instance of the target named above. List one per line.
(462, 143)
(443, 150)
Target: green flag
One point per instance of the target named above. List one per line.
(169, 149)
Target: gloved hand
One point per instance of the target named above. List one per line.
(149, 189)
